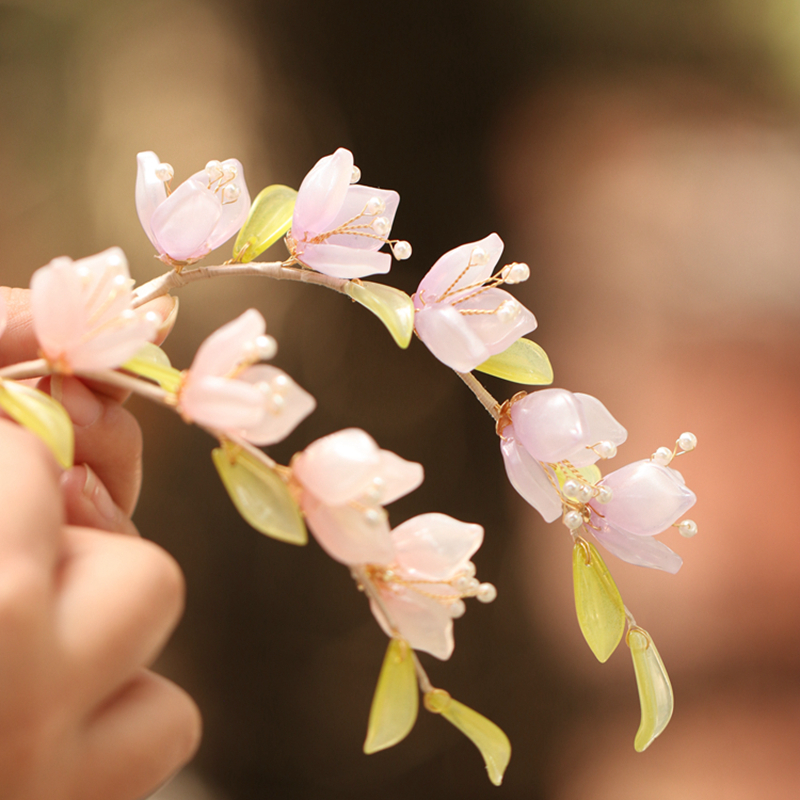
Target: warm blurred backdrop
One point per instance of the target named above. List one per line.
(643, 156)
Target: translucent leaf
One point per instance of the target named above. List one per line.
(484, 734)
(393, 307)
(269, 219)
(42, 415)
(601, 613)
(151, 362)
(589, 474)
(524, 362)
(396, 700)
(655, 690)
(259, 494)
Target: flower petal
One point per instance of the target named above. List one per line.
(353, 208)
(233, 213)
(643, 551)
(435, 546)
(601, 426)
(398, 475)
(343, 262)
(227, 347)
(447, 335)
(222, 403)
(322, 193)
(150, 191)
(528, 477)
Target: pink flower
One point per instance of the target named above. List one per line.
(200, 215)
(82, 314)
(550, 427)
(421, 587)
(338, 228)
(461, 315)
(346, 479)
(646, 499)
(224, 391)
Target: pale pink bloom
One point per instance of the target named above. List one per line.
(338, 227)
(461, 315)
(551, 426)
(647, 498)
(200, 215)
(226, 390)
(421, 586)
(346, 479)
(82, 314)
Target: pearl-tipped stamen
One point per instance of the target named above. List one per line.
(478, 257)
(662, 456)
(164, 172)
(604, 494)
(401, 250)
(687, 441)
(230, 194)
(570, 489)
(687, 528)
(374, 207)
(381, 226)
(573, 519)
(457, 608)
(515, 273)
(487, 593)
(585, 493)
(605, 449)
(355, 175)
(507, 310)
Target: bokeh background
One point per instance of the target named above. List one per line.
(643, 156)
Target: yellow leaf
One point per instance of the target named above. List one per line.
(493, 744)
(655, 690)
(259, 494)
(601, 613)
(269, 219)
(523, 362)
(589, 474)
(396, 700)
(393, 307)
(42, 415)
(151, 362)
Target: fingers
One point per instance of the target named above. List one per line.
(88, 503)
(138, 740)
(120, 597)
(17, 342)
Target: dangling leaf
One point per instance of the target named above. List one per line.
(655, 690)
(484, 734)
(42, 415)
(393, 307)
(396, 700)
(524, 362)
(151, 362)
(269, 219)
(259, 494)
(589, 474)
(601, 613)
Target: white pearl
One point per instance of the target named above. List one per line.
(662, 456)
(278, 401)
(279, 384)
(585, 493)
(470, 569)
(487, 592)
(213, 169)
(374, 515)
(687, 441)
(515, 273)
(355, 175)
(461, 583)
(374, 492)
(573, 520)
(381, 226)
(229, 171)
(230, 194)
(606, 449)
(164, 172)
(478, 257)
(402, 250)
(265, 347)
(457, 608)
(375, 206)
(507, 310)
(570, 489)
(687, 528)
(604, 494)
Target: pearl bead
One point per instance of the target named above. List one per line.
(478, 257)
(402, 250)
(687, 441)
(373, 516)
(374, 206)
(381, 226)
(515, 273)
(355, 175)
(507, 310)
(266, 347)
(604, 494)
(213, 169)
(461, 583)
(606, 449)
(457, 608)
(470, 569)
(570, 489)
(230, 194)
(278, 401)
(585, 493)
(229, 171)
(487, 593)
(662, 456)
(164, 172)
(573, 520)
(687, 528)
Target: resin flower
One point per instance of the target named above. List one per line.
(541, 430)
(461, 315)
(642, 499)
(227, 390)
(420, 590)
(82, 314)
(337, 227)
(345, 481)
(200, 215)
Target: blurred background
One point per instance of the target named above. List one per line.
(643, 156)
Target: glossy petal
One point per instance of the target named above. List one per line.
(150, 191)
(528, 477)
(522, 362)
(647, 498)
(447, 335)
(495, 333)
(435, 547)
(227, 347)
(550, 424)
(343, 262)
(221, 403)
(655, 690)
(643, 551)
(398, 476)
(233, 214)
(354, 204)
(396, 700)
(322, 194)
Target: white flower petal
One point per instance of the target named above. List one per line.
(322, 193)
(150, 191)
(227, 347)
(643, 551)
(449, 337)
(344, 262)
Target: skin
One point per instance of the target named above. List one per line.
(86, 605)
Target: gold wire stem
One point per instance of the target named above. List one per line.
(482, 393)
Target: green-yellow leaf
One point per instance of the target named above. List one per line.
(42, 415)
(524, 362)
(655, 690)
(601, 613)
(393, 307)
(483, 733)
(589, 474)
(396, 699)
(259, 494)
(269, 219)
(151, 362)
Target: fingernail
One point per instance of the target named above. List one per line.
(81, 403)
(99, 496)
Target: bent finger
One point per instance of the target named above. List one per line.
(88, 503)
